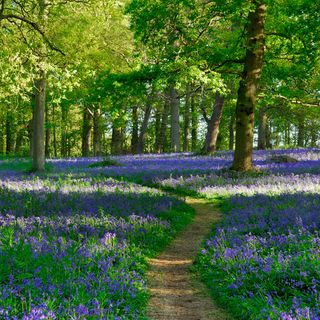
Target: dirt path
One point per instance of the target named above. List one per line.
(175, 294)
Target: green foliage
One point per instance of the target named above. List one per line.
(106, 162)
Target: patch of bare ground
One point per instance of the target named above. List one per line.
(175, 293)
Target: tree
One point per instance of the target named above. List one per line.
(210, 143)
(11, 13)
(247, 93)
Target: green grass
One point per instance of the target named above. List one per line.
(15, 164)
(19, 164)
(107, 162)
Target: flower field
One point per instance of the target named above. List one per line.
(74, 241)
(263, 260)
(74, 247)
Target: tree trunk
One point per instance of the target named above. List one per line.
(160, 139)
(263, 128)
(268, 136)
(48, 134)
(186, 125)
(175, 124)
(286, 134)
(9, 133)
(135, 130)
(194, 125)
(248, 87)
(30, 135)
(2, 137)
(277, 138)
(39, 124)
(301, 130)
(116, 140)
(19, 140)
(38, 146)
(144, 127)
(97, 132)
(54, 132)
(231, 131)
(314, 134)
(64, 131)
(86, 132)
(213, 126)
(157, 124)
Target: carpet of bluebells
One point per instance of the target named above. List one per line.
(263, 260)
(73, 244)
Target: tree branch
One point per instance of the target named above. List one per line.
(302, 103)
(34, 26)
(238, 61)
(204, 113)
(277, 34)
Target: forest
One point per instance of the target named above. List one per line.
(89, 78)
(159, 159)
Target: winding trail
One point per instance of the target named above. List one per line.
(175, 293)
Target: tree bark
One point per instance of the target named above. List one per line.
(39, 124)
(160, 139)
(64, 131)
(9, 133)
(97, 132)
(38, 146)
(262, 129)
(55, 149)
(277, 138)
(157, 127)
(186, 125)
(86, 132)
(175, 124)
(248, 87)
(231, 131)
(135, 130)
(314, 135)
(268, 136)
(117, 140)
(194, 125)
(144, 127)
(286, 134)
(213, 126)
(2, 137)
(48, 134)
(19, 140)
(30, 135)
(301, 130)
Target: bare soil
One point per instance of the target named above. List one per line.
(176, 293)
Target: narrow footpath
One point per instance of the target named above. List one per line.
(175, 293)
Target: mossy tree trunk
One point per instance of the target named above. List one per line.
(186, 124)
(38, 144)
(144, 126)
(247, 92)
(301, 130)
(175, 124)
(86, 131)
(97, 131)
(194, 125)
(160, 139)
(213, 126)
(263, 129)
(135, 130)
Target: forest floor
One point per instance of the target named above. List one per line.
(175, 291)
